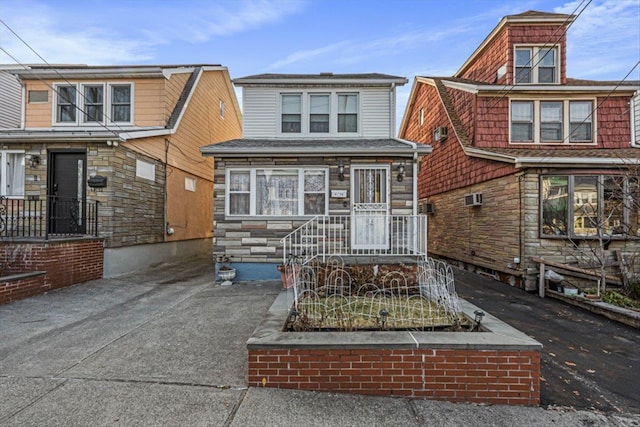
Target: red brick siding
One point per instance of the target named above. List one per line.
(64, 263)
(13, 290)
(481, 376)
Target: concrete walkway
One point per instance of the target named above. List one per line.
(167, 347)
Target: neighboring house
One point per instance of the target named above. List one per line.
(318, 145)
(113, 152)
(526, 162)
(10, 98)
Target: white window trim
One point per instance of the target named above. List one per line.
(566, 125)
(333, 113)
(534, 63)
(81, 108)
(252, 190)
(3, 172)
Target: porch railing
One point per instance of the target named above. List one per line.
(48, 217)
(360, 234)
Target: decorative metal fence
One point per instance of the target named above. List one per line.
(326, 296)
(47, 218)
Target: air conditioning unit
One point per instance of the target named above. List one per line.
(440, 134)
(473, 199)
(426, 208)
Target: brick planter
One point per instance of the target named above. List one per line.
(499, 366)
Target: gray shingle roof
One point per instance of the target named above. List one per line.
(314, 147)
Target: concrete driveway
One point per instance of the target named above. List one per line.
(167, 347)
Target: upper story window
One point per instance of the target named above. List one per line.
(537, 65)
(347, 112)
(277, 192)
(309, 113)
(552, 122)
(291, 113)
(319, 113)
(221, 109)
(12, 173)
(87, 104)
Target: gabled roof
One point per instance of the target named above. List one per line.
(311, 147)
(522, 157)
(528, 17)
(322, 78)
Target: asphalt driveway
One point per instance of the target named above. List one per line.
(167, 347)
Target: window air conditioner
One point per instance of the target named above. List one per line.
(426, 208)
(440, 134)
(473, 199)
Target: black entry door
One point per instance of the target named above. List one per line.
(67, 201)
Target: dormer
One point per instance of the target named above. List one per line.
(319, 106)
(524, 49)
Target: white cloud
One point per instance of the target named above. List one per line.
(127, 32)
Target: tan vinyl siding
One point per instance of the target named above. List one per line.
(173, 90)
(38, 115)
(148, 109)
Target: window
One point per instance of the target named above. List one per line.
(421, 120)
(587, 206)
(121, 103)
(93, 103)
(12, 173)
(189, 184)
(277, 192)
(291, 113)
(522, 121)
(552, 122)
(347, 113)
(145, 170)
(319, 113)
(221, 109)
(536, 65)
(66, 104)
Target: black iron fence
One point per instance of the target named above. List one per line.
(48, 217)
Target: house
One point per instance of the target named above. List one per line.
(315, 148)
(112, 153)
(527, 163)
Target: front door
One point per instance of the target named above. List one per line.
(66, 191)
(370, 207)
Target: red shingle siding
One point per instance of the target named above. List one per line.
(545, 35)
(486, 65)
(64, 264)
(614, 122)
(481, 376)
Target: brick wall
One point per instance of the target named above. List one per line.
(482, 376)
(64, 263)
(21, 286)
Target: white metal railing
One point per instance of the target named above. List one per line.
(360, 234)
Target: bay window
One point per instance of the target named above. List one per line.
(551, 122)
(12, 173)
(588, 206)
(287, 192)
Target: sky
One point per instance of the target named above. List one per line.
(398, 37)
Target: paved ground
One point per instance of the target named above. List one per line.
(167, 347)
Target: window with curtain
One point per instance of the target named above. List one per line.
(551, 121)
(522, 121)
(580, 121)
(277, 192)
(319, 113)
(291, 113)
(12, 173)
(347, 112)
(589, 206)
(93, 103)
(121, 103)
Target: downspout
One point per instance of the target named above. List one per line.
(415, 183)
(392, 117)
(167, 143)
(633, 118)
(23, 106)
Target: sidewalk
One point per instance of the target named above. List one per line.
(167, 347)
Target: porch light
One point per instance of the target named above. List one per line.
(478, 318)
(341, 171)
(34, 160)
(400, 172)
